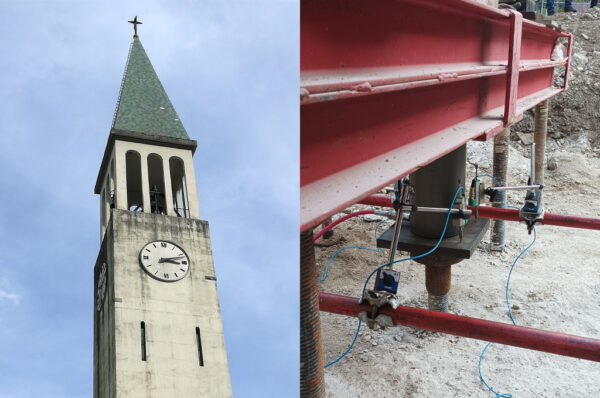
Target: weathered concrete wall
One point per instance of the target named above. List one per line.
(104, 320)
(171, 312)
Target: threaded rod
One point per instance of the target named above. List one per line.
(312, 382)
(500, 172)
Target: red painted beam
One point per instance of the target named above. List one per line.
(389, 88)
(495, 332)
(498, 213)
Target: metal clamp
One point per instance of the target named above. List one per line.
(533, 210)
(378, 299)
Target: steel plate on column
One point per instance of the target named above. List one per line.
(450, 247)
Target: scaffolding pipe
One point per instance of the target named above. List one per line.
(329, 226)
(496, 213)
(481, 329)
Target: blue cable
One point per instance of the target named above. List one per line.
(510, 273)
(394, 262)
(378, 250)
(505, 395)
(341, 250)
(420, 255)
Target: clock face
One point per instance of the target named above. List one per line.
(101, 290)
(164, 261)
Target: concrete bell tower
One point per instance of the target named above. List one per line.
(157, 323)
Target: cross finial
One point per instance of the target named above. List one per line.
(135, 23)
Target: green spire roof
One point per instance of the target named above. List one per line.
(143, 103)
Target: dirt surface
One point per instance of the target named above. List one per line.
(554, 286)
(576, 112)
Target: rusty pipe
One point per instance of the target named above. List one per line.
(312, 381)
(475, 328)
(500, 173)
(539, 137)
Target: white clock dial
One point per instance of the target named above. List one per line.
(164, 261)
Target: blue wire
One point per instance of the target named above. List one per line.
(348, 350)
(394, 262)
(378, 250)
(510, 273)
(420, 255)
(341, 250)
(505, 395)
(325, 276)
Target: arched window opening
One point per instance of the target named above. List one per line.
(135, 198)
(113, 191)
(103, 207)
(156, 181)
(133, 171)
(107, 197)
(179, 187)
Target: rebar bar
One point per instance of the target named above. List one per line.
(539, 137)
(500, 173)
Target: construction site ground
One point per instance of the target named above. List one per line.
(554, 286)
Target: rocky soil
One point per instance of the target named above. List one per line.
(576, 112)
(555, 285)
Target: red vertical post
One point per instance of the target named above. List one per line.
(512, 73)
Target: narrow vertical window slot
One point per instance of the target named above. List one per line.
(199, 342)
(143, 336)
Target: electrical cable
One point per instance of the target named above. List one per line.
(501, 192)
(505, 395)
(458, 190)
(378, 250)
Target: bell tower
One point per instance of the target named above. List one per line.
(157, 323)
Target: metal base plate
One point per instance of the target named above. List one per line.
(450, 247)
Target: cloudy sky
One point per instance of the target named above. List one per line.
(231, 72)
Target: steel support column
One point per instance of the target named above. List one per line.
(435, 185)
(500, 173)
(312, 383)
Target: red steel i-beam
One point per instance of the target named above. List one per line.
(390, 86)
(497, 213)
(495, 332)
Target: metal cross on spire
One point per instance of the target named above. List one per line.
(135, 24)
